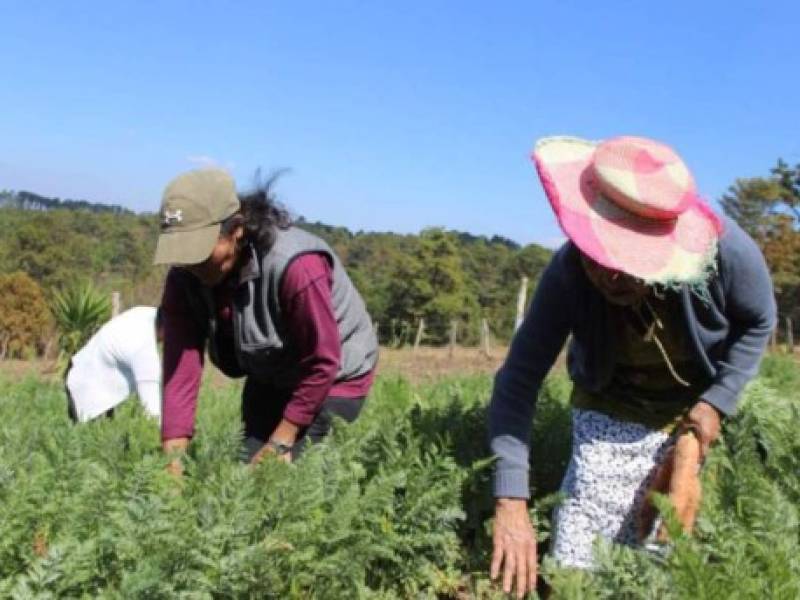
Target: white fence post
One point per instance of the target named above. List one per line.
(115, 304)
(523, 294)
(485, 337)
(420, 331)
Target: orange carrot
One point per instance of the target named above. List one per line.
(659, 484)
(684, 485)
(677, 476)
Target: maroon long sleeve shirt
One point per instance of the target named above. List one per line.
(311, 327)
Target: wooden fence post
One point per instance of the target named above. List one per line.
(523, 294)
(420, 331)
(789, 336)
(485, 337)
(376, 329)
(773, 341)
(453, 336)
(114, 304)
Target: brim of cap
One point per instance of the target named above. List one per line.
(664, 252)
(186, 247)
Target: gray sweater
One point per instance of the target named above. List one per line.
(728, 335)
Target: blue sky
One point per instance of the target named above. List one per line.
(392, 116)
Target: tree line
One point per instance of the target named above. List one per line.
(438, 275)
(30, 201)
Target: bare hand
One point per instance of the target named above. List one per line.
(175, 468)
(285, 433)
(176, 447)
(514, 546)
(267, 450)
(706, 422)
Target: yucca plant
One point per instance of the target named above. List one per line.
(78, 311)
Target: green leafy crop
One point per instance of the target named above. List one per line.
(397, 505)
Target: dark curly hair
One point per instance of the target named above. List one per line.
(260, 213)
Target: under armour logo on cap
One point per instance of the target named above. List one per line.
(172, 217)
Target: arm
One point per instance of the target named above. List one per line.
(533, 351)
(183, 367)
(311, 327)
(752, 313)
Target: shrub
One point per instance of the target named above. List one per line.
(24, 317)
(79, 311)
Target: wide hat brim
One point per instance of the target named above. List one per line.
(186, 247)
(657, 251)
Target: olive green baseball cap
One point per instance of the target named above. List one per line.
(193, 207)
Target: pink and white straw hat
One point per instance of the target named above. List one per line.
(630, 204)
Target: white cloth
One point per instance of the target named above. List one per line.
(121, 358)
(613, 463)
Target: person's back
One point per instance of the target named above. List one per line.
(122, 357)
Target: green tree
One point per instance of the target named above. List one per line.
(768, 208)
(788, 179)
(752, 204)
(431, 284)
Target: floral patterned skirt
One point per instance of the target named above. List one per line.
(611, 468)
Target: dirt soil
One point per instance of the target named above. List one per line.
(423, 365)
(16, 370)
(427, 364)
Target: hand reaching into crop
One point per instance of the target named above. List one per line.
(514, 546)
(284, 435)
(175, 447)
(267, 450)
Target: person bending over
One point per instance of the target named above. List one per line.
(270, 303)
(121, 358)
(668, 310)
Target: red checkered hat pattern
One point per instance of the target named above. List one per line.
(630, 204)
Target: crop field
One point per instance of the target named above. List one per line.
(397, 505)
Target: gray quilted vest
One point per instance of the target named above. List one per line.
(260, 345)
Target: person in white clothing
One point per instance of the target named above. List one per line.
(121, 358)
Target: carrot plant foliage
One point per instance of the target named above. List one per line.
(397, 505)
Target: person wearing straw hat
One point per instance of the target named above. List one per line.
(271, 303)
(669, 308)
